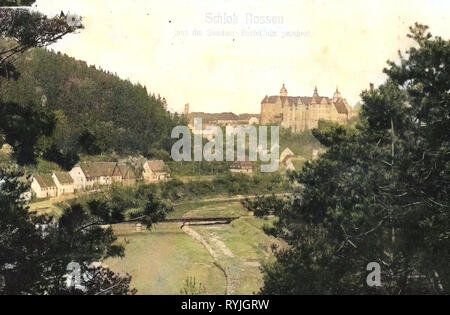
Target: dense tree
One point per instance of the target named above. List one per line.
(13, 3)
(23, 123)
(97, 111)
(37, 251)
(380, 192)
(27, 29)
(22, 127)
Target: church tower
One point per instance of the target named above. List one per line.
(316, 93)
(186, 109)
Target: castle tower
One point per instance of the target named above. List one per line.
(337, 96)
(316, 97)
(283, 92)
(186, 109)
(316, 93)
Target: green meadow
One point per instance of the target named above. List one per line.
(160, 260)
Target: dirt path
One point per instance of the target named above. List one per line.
(186, 229)
(221, 245)
(231, 283)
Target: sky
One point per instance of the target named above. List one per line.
(226, 55)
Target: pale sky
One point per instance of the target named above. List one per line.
(218, 56)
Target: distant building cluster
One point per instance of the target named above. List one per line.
(297, 113)
(302, 113)
(91, 175)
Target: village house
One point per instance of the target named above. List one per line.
(242, 167)
(90, 175)
(128, 175)
(43, 186)
(79, 179)
(87, 175)
(155, 171)
(64, 182)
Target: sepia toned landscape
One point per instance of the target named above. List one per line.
(190, 148)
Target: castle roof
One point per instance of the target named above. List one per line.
(341, 107)
(306, 100)
(296, 100)
(249, 116)
(337, 101)
(208, 117)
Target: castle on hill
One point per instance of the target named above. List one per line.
(300, 113)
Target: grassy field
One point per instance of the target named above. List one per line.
(45, 207)
(189, 179)
(160, 260)
(209, 209)
(224, 258)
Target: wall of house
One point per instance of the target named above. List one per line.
(128, 182)
(117, 179)
(153, 177)
(65, 189)
(36, 189)
(161, 177)
(147, 173)
(43, 192)
(104, 180)
(78, 177)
